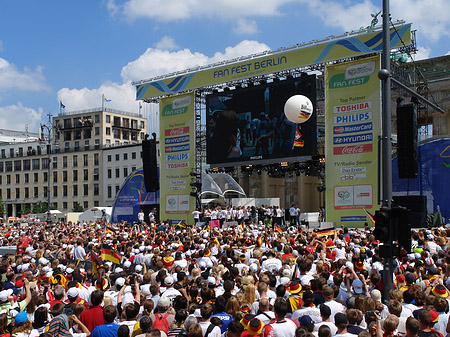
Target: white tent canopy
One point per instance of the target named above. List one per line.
(95, 213)
(220, 186)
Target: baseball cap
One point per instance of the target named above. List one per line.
(357, 286)
(168, 280)
(305, 320)
(163, 303)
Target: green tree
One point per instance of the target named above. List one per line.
(25, 209)
(77, 208)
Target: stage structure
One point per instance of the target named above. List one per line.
(240, 98)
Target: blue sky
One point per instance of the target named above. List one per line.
(75, 51)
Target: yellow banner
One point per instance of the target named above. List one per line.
(352, 128)
(177, 158)
(351, 46)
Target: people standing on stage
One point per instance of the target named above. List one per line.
(141, 216)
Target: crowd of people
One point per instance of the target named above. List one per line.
(107, 280)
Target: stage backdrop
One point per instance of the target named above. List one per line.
(177, 157)
(352, 127)
(349, 45)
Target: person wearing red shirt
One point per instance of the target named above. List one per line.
(93, 316)
(59, 294)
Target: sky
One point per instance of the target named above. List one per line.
(76, 51)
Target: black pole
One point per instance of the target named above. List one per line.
(386, 146)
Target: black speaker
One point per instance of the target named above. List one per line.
(416, 206)
(150, 164)
(407, 157)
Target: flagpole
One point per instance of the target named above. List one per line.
(103, 102)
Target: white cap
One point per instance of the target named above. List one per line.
(120, 281)
(168, 280)
(253, 267)
(46, 269)
(118, 270)
(69, 270)
(73, 292)
(127, 264)
(4, 295)
(138, 268)
(211, 280)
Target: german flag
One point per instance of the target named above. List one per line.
(96, 262)
(370, 216)
(259, 241)
(241, 226)
(109, 231)
(181, 224)
(109, 254)
(278, 229)
(325, 232)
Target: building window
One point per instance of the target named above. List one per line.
(108, 142)
(109, 157)
(97, 131)
(96, 159)
(65, 161)
(55, 177)
(67, 136)
(66, 147)
(77, 135)
(117, 189)
(36, 177)
(117, 157)
(96, 175)
(142, 124)
(108, 119)
(108, 131)
(133, 168)
(8, 193)
(125, 172)
(75, 175)
(85, 160)
(17, 193)
(27, 178)
(125, 156)
(96, 189)
(65, 176)
(27, 192)
(45, 163)
(36, 165)
(75, 160)
(17, 178)
(18, 165)
(97, 144)
(75, 190)
(86, 145)
(109, 192)
(55, 162)
(85, 204)
(76, 146)
(117, 133)
(86, 174)
(117, 173)
(45, 177)
(8, 165)
(64, 205)
(96, 118)
(26, 165)
(8, 179)
(109, 173)
(64, 190)
(133, 155)
(55, 191)
(36, 192)
(85, 189)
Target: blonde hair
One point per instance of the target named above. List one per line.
(249, 294)
(232, 307)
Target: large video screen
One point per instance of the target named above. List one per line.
(248, 125)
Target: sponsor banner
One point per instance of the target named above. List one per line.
(270, 62)
(176, 140)
(177, 145)
(361, 138)
(352, 128)
(353, 118)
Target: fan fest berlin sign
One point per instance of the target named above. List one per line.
(177, 146)
(351, 46)
(352, 127)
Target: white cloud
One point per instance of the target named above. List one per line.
(423, 53)
(27, 80)
(156, 62)
(245, 26)
(429, 17)
(163, 10)
(23, 116)
(152, 62)
(166, 43)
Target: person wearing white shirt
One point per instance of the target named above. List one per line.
(335, 307)
(206, 311)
